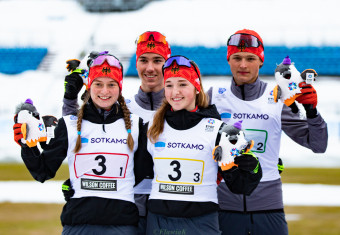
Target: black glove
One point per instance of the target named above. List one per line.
(247, 162)
(280, 166)
(72, 64)
(67, 190)
(49, 121)
(73, 84)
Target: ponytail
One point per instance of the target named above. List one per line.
(127, 120)
(79, 122)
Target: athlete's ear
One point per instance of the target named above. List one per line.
(261, 65)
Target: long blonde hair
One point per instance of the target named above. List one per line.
(157, 127)
(127, 121)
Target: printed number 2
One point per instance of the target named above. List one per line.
(176, 169)
(259, 146)
(101, 164)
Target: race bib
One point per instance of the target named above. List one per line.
(179, 170)
(260, 138)
(101, 165)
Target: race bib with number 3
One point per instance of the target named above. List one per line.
(179, 170)
(102, 165)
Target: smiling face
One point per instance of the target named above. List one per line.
(245, 67)
(149, 68)
(104, 92)
(180, 93)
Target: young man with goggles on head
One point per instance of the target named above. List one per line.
(261, 212)
(152, 50)
(151, 53)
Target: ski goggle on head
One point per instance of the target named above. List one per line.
(156, 36)
(105, 65)
(246, 40)
(189, 70)
(180, 61)
(110, 59)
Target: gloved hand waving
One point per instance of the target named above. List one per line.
(73, 82)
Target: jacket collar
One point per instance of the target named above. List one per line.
(149, 100)
(183, 119)
(248, 92)
(100, 116)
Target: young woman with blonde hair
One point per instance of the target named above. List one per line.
(181, 139)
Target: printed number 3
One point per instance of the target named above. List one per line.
(179, 173)
(101, 164)
(197, 177)
(176, 169)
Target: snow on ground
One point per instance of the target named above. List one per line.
(50, 192)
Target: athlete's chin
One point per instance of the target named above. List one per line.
(242, 79)
(176, 106)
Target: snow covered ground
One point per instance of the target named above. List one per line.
(50, 192)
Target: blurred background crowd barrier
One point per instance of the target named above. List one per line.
(212, 61)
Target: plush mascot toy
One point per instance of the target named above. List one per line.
(288, 79)
(32, 127)
(232, 143)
